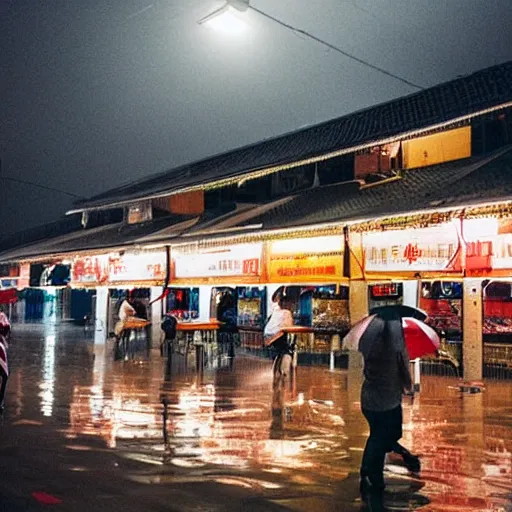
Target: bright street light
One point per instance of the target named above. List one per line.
(226, 19)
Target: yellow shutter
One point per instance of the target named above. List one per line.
(437, 148)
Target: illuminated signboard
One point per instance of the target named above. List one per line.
(237, 260)
(90, 269)
(146, 266)
(386, 290)
(488, 244)
(306, 260)
(436, 248)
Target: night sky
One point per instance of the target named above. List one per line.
(95, 93)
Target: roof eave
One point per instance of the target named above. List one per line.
(262, 172)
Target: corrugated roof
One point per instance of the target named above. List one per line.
(445, 103)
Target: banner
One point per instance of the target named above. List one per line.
(432, 249)
(306, 260)
(90, 270)
(242, 260)
(488, 244)
(146, 266)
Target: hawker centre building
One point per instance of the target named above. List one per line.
(405, 202)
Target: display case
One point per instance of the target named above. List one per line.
(183, 303)
(331, 311)
(251, 307)
(252, 314)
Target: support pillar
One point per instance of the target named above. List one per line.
(472, 346)
(156, 316)
(101, 316)
(358, 301)
(358, 309)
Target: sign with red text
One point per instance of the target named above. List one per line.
(90, 270)
(488, 244)
(306, 260)
(237, 260)
(144, 266)
(431, 249)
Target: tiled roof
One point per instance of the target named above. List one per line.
(116, 235)
(459, 183)
(467, 181)
(443, 103)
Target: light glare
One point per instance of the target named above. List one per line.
(227, 21)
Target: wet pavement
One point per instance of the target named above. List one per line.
(82, 431)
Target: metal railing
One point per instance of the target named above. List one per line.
(497, 361)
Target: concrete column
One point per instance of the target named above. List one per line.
(472, 346)
(411, 293)
(205, 295)
(101, 318)
(358, 309)
(358, 301)
(156, 315)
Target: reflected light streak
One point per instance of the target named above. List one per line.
(48, 385)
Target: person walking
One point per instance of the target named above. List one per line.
(386, 378)
(274, 336)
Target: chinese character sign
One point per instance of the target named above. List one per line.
(436, 248)
(236, 260)
(145, 266)
(318, 259)
(90, 269)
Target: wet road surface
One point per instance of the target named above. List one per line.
(84, 432)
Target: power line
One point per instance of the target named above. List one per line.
(336, 48)
(37, 185)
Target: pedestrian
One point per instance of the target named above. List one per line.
(4, 371)
(5, 325)
(274, 336)
(386, 378)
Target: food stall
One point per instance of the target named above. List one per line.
(442, 301)
(251, 315)
(405, 260)
(211, 274)
(122, 274)
(314, 289)
(489, 256)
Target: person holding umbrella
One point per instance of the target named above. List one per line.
(381, 340)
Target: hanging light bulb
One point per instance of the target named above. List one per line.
(226, 19)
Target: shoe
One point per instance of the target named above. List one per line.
(412, 462)
(368, 487)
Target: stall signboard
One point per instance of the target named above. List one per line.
(316, 259)
(488, 244)
(431, 249)
(243, 260)
(90, 270)
(145, 266)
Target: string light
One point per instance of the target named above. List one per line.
(266, 171)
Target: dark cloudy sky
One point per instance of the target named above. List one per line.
(98, 92)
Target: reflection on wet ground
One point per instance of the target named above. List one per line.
(87, 429)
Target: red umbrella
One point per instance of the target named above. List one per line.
(420, 339)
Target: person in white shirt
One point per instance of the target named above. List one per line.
(274, 336)
(126, 310)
